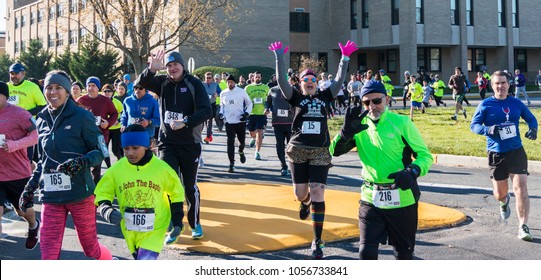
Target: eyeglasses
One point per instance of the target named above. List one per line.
(376, 101)
(308, 79)
(107, 90)
(208, 78)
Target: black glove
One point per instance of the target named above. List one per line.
(352, 122)
(494, 130)
(221, 116)
(244, 117)
(173, 235)
(405, 179)
(110, 214)
(531, 134)
(27, 198)
(73, 165)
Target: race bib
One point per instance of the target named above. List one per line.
(172, 116)
(282, 113)
(2, 139)
(141, 220)
(13, 100)
(258, 100)
(56, 182)
(98, 120)
(135, 120)
(507, 132)
(311, 127)
(386, 198)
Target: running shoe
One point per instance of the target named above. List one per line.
(257, 156)
(464, 113)
(242, 157)
(197, 232)
(32, 237)
(231, 168)
(7, 207)
(252, 143)
(453, 118)
(505, 211)
(304, 211)
(317, 252)
(206, 140)
(524, 233)
(423, 110)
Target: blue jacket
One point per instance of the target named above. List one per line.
(73, 134)
(137, 109)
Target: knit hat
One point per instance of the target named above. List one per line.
(231, 78)
(372, 87)
(94, 80)
(126, 77)
(174, 57)
(4, 89)
(307, 72)
(135, 135)
(58, 77)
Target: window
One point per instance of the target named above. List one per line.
(23, 46)
(83, 4)
(501, 13)
(392, 61)
(72, 37)
(476, 59)
(419, 11)
(52, 12)
(60, 9)
(40, 15)
(296, 60)
(299, 22)
(32, 17)
(395, 11)
(521, 60)
(98, 30)
(353, 17)
(50, 41)
(364, 17)
(74, 6)
(429, 59)
(454, 12)
(469, 12)
(23, 21)
(59, 39)
(16, 47)
(16, 22)
(514, 11)
(362, 60)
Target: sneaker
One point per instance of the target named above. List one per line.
(197, 232)
(7, 207)
(453, 118)
(304, 211)
(257, 156)
(285, 172)
(317, 245)
(524, 233)
(206, 140)
(444, 104)
(32, 237)
(464, 113)
(242, 157)
(210, 138)
(252, 143)
(505, 211)
(231, 168)
(423, 110)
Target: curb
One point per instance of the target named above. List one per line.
(476, 162)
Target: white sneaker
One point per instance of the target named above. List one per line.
(524, 233)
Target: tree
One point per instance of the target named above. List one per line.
(318, 66)
(62, 62)
(5, 62)
(36, 60)
(91, 61)
(151, 25)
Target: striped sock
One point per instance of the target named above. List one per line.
(318, 217)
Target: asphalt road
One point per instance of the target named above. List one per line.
(484, 236)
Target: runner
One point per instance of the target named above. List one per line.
(257, 121)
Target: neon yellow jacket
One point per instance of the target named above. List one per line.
(438, 88)
(28, 95)
(387, 147)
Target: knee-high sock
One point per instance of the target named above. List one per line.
(318, 217)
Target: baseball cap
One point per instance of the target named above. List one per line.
(16, 67)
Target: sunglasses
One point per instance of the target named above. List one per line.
(376, 101)
(308, 79)
(137, 88)
(208, 78)
(107, 90)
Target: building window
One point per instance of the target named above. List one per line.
(16, 47)
(521, 60)
(60, 9)
(395, 12)
(299, 22)
(72, 37)
(32, 17)
(469, 12)
(16, 22)
(52, 12)
(98, 30)
(501, 13)
(362, 62)
(476, 59)
(353, 19)
(514, 10)
(50, 40)
(364, 17)
(419, 11)
(23, 46)
(429, 59)
(40, 15)
(83, 4)
(23, 21)
(296, 59)
(454, 12)
(59, 39)
(392, 61)
(74, 6)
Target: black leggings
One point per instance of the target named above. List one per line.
(282, 133)
(232, 130)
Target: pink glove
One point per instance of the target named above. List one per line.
(277, 46)
(348, 49)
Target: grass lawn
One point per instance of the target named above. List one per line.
(445, 136)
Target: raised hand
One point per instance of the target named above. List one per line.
(276, 47)
(156, 61)
(348, 49)
(353, 122)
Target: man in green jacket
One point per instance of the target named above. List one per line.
(393, 155)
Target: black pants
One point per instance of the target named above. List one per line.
(405, 98)
(282, 133)
(114, 137)
(219, 122)
(208, 122)
(235, 130)
(184, 159)
(482, 93)
(438, 100)
(96, 173)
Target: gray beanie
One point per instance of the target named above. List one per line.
(58, 77)
(174, 57)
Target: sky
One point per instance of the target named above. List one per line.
(3, 4)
